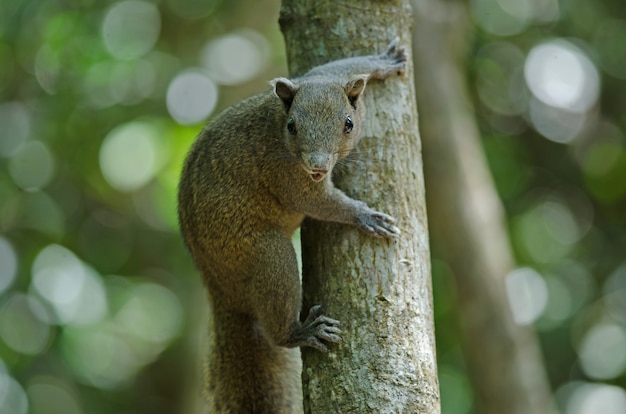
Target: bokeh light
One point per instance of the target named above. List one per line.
(554, 123)
(499, 81)
(191, 97)
(131, 28)
(110, 353)
(510, 17)
(32, 166)
(566, 86)
(547, 231)
(235, 57)
(97, 85)
(602, 351)
(13, 399)
(99, 356)
(493, 18)
(16, 127)
(119, 82)
(561, 75)
(8, 264)
(615, 294)
(527, 294)
(47, 68)
(131, 155)
(589, 398)
(23, 324)
(131, 82)
(72, 289)
(603, 163)
(560, 305)
(39, 212)
(152, 313)
(570, 287)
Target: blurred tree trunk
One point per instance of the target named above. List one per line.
(379, 289)
(467, 219)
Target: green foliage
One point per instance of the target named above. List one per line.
(96, 288)
(547, 79)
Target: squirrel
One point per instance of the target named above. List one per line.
(252, 175)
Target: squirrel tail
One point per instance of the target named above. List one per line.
(248, 374)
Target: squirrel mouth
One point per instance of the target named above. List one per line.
(316, 176)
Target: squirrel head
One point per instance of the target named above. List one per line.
(322, 120)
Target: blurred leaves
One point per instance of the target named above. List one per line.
(96, 287)
(547, 79)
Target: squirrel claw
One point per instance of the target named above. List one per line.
(397, 54)
(391, 49)
(379, 224)
(318, 330)
(392, 46)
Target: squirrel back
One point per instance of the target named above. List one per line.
(253, 174)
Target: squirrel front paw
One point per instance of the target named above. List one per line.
(377, 224)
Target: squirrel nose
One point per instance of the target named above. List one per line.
(319, 162)
(317, 165)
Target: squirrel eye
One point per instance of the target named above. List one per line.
(349, 125)
(291, 126)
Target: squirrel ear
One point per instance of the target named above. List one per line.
(285, 90)
(355, 87)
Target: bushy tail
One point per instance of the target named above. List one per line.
(246, 373)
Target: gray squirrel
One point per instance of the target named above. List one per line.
(253, 174)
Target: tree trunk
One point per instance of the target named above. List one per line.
(379, 289)
(467, 220)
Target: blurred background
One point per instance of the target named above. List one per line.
(101, 310)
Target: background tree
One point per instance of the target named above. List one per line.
(467, 220)
(380, 290)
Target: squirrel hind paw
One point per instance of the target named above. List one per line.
(318, 331)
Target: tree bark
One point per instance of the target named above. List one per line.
(467, 220)
(379, 289)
